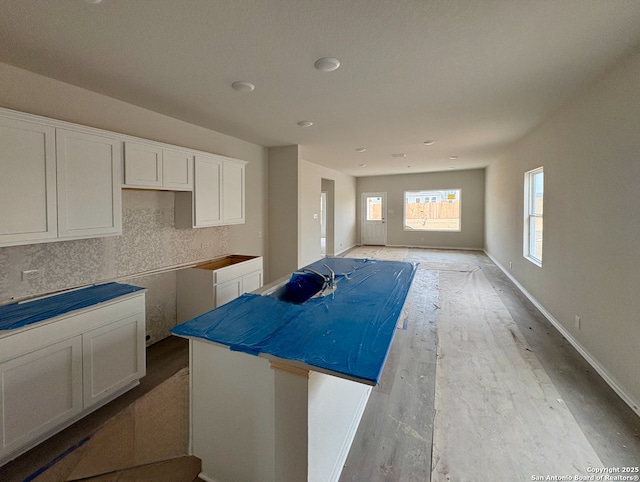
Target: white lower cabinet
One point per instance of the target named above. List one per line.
(54, 372)
(230, 290)
(210, 285)
(112, 358)
(252, 281)
(39, 391)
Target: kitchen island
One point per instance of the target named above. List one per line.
(279, 381)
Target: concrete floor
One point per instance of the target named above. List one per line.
(394, 440)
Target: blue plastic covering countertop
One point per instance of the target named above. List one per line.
(348, 332)
(22, 314)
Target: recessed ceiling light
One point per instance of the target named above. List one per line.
(399, 154)
(429, 143)
(362, 165)
(305, 123)
(243, 86)
(453, 158)
(327, 64)
(93, 2)
(361, 149)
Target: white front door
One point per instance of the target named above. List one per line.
(374, 210)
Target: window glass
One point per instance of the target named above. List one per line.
(432, 210)
(374, 208)
(534, 204)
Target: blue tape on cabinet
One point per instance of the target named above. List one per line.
(23, 314)
(348, 332)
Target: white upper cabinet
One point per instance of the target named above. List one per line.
(56, 183)
(62, 181)
(152, 167)
(142, 165)
(177, 170)
(28, 182)
(218, 194)
(233, 192)
(208, 195)
(89, 191)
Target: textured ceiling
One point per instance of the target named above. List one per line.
(473, 75)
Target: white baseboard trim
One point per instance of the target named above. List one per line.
(345, 250)
(610, 379)
(453, 248)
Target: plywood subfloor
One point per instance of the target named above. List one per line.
(486, 408)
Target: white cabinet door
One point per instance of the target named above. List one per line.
(89, 184)
(233, 192)
(149, 166)
(142, 165)
(177, 170)
(28, 182)
(228, 291)
(113, 357)
(251, 281)
(38, 392)
(206, 196)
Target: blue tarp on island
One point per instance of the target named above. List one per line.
(22, 314)
(348, 332)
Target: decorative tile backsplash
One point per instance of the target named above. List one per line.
(149, 241)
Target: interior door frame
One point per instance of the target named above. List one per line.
(363, 214)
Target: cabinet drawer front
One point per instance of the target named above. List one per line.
(39, 391)
(238, 270)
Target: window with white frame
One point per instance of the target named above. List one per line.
(432, 210)
(533, 209)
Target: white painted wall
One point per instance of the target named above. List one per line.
(294, 210)
(472, 204)
(283, 208)
(309, 189)
(590, 151)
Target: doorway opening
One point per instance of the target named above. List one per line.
(327, 217)
(323, 223)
